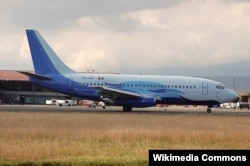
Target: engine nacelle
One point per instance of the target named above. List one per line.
(141, 102)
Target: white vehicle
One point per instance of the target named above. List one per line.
(91, 103)
(226, 105)
(230, 105)
(63, 102)
(48, 102)
(88, 103)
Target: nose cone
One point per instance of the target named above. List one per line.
(228, 96)
(232, 95)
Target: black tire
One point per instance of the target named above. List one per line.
(127, 109)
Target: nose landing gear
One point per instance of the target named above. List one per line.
(209, 110)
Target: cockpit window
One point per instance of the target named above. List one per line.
(220, 86)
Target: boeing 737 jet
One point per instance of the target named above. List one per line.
(127, 91)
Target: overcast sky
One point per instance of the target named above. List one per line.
(125, 35)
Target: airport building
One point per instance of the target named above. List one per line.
(17, 89)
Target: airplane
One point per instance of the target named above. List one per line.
(127, 91)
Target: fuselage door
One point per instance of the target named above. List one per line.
(204, 88)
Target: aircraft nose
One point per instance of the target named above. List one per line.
(233, 95)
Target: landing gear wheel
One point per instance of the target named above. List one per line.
(209, 110)
(127, 109)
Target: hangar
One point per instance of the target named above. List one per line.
(15, 88)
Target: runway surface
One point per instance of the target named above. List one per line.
(113, 109)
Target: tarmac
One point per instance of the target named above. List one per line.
(114, 109)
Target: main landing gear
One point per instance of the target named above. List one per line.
(127, 109)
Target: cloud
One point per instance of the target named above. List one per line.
(132, 36)
(191, 33)
(11, 52)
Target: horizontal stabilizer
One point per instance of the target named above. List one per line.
(36, 76)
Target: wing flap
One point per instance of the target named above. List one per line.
(119, 93)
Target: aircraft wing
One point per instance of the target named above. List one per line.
(112, 93)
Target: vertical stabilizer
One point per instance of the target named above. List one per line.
(44, 59)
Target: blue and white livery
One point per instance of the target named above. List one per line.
(127, 91)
